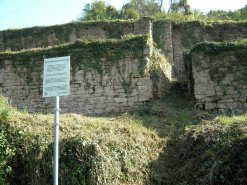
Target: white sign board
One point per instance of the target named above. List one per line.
(56, 80)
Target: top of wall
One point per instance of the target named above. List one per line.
(219, 75)
(215, 47)
(35, 37)
(89, 53)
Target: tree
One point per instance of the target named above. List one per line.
(98, 10)
(237, 15)
(142, 7)
(240, 14)
(128, 12)
(180, 6)
(135, 9)
(215, 15)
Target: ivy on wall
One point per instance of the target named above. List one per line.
(21, 38)
(218, 64)
(99, 55)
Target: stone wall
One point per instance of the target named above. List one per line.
(106, 76)
(176, 37)
(220, 75)
(173, 38)
(14, 40)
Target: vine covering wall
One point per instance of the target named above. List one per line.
(128, 70)
(219, 73)
(176, 37)
(14, 40)
(107, 76)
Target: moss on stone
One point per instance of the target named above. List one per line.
(99, 55)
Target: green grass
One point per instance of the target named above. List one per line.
(167, 141)
(232, 119)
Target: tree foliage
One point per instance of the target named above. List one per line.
(178, 9)
(237, 15)
(180, 6)
(98, 10)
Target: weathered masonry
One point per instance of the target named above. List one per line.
(169, 36)
(219, 74)
(120, 74)
(106, 77)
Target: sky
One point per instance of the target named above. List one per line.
(28, 13)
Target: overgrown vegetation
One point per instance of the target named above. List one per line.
(167, 141)
(93, 150)
(214, 50)
(209, 153)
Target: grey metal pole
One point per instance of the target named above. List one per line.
(56, 141)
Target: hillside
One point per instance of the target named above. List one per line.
(165, 142)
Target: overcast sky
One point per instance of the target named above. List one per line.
(28, 13)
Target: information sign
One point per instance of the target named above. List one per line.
(56, 80)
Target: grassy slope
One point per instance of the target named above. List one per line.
(165, 142)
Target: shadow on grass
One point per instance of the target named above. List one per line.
(169, 114)
(33, 164)
(199, 150)
(205, 154)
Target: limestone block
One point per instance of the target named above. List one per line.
(120, 91)
(143, 81)
(199, 96)
(88, 107)
(210, 105)
(108, 110)
(201, 80)
(145, 97)
(245, 104)
(120, 100)
(147, 51)
(89, 101)
(210, 92)
(200, 91)
(142, 88)
(232, 105)
(115, 109)
(240, 99)
(231, 91)
(98, 90)
(210, 86)
(108, 90)
(226, 101)
(219, 93)
(125, 109)
(221, 105)
(98, 111)
(132, 100)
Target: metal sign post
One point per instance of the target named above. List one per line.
(56, 82)
(56, 141)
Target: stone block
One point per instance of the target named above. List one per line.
(98, 111)
(232, 105)
(120, 100)
(210, 92)
(245, 104)
(221, 105)
(227, 101)
(210, 105)
(231, 91)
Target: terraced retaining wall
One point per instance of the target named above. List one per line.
(106, 76)
(35, 37)
(219, 72)
(173, 38)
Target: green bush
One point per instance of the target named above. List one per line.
(7, 151)
(92, 150)
(210, 153)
